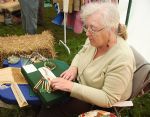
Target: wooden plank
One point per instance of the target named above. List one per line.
(18, 95)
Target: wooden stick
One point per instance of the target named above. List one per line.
(38, 84)
(18, 95)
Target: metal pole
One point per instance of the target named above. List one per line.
(65, 9)
(128, 12)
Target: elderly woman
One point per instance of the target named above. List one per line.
(103, 68)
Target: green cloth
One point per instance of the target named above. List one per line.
(34, 77)
(47, 3)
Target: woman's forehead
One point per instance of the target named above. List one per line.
(93, 20)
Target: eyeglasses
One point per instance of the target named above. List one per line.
(92, 29)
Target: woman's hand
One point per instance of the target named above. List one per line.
(70, 74)
(61, 84)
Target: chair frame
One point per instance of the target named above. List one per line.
(138, 91)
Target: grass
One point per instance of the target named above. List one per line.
(74, 41)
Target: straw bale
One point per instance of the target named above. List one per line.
(26, 44)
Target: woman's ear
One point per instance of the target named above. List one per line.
(113, 29)
(111, 32)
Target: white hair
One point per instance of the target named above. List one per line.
(108, 11)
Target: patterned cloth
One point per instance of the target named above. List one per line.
(97, 113)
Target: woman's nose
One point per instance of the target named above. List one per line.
(88, 33)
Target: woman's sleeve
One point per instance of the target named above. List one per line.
(115, 84)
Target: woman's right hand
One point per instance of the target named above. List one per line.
(70, 74)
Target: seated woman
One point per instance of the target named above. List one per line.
(103, 68)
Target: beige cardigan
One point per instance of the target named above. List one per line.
(106, 79)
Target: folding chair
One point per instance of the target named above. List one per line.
(141, 82)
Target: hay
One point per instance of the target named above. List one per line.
(26, 44)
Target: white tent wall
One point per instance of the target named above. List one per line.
(138, 25)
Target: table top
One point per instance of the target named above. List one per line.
(7, 95)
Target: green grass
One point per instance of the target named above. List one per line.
(74, 41)
(141, 107)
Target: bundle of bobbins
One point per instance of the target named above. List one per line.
(43, 85)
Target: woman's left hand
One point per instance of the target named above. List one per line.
(61, 84)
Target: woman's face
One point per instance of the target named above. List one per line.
(97, 33)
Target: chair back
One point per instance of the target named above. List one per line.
(141, 78)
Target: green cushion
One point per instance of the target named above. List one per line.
(34, 77)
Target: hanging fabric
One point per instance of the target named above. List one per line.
(73, 15)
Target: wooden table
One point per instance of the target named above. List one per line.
(10, 6)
